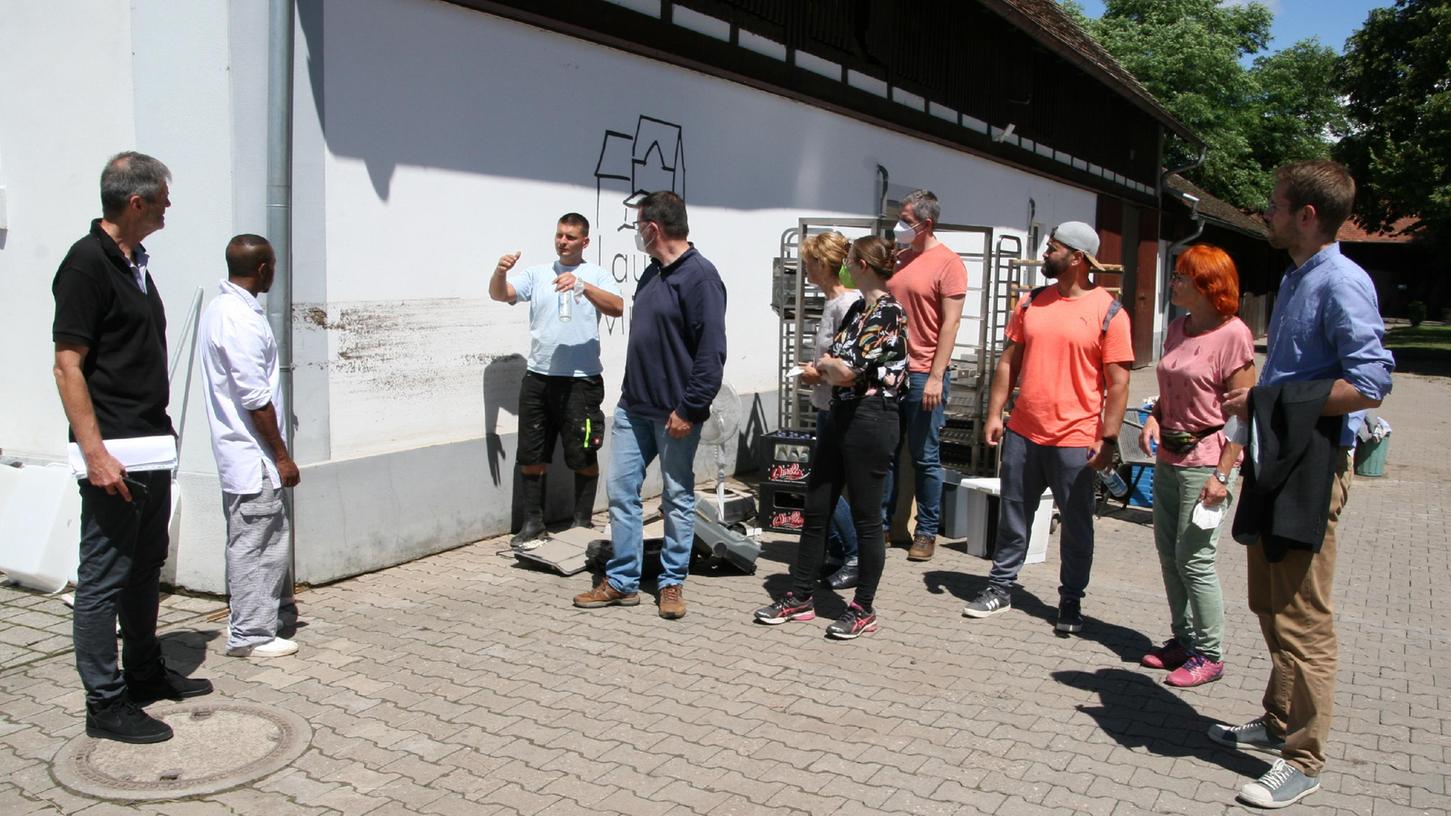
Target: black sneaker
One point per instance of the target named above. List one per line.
(853, 623)
(168, 685)
(844, 578)
(1070, 617)
(989, 602)
(124, 721)
(787, 608)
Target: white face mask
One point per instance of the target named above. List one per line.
(905, 234)
(640, 242)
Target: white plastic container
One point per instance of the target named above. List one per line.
(970, 511)
(40, 526)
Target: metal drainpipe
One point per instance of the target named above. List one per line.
(1194, 216)
(280, 21)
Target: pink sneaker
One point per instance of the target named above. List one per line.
(1196, 671)
(1171, 655)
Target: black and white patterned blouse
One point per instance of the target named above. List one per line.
(874, 345)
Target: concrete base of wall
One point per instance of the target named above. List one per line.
(359, 515)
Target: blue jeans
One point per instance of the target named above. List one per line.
(922, 431)
(635, 441)
(841, 540)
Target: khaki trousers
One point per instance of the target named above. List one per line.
(1292, 600)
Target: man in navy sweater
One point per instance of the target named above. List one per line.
(672, 372)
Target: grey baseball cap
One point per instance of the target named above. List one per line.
(1080, 236)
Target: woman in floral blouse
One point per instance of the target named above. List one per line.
(867, 368)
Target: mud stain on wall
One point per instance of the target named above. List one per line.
(405, 373)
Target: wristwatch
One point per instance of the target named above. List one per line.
(1222, 478)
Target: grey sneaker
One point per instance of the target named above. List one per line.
(1253, 735)
(1282, 785)
(989, 602)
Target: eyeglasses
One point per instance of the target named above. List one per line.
(1178, 278)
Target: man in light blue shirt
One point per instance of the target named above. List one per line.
(1326, 326)
(562, 390)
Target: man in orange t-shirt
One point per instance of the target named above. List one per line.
(930, 283)
(1067, 344)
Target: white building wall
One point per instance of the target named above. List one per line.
(428, 140)
(83, 80)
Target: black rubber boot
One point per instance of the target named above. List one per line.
(533, 528)
(585, 488)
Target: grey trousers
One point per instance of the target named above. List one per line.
(257, 563)
(1028, 468)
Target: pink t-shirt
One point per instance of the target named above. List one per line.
(1192, 373)
(919, 284)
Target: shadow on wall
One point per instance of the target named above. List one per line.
(466, 63)
(748, 441)
(501, 393)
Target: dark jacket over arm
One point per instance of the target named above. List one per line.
(1289, 468)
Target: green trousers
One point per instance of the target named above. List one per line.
(1186, 557)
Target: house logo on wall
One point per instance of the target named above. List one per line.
(631, 165)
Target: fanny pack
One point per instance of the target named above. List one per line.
(1181, 442)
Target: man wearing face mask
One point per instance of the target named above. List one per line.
(1067, 343)
(673, 369)
(930, 283)
(562, 389)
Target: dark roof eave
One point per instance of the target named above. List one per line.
(1140, 96)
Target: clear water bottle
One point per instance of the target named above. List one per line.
(1114, 482)
(566, 306)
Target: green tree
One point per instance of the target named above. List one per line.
(1190, 53)
(1396, 75)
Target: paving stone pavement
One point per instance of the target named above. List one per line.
(464, 683)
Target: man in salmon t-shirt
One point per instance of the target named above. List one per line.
(930, 283)
(1067, 344)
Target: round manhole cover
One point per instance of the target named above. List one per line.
(216, 746)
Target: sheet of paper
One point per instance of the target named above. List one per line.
(136, 454)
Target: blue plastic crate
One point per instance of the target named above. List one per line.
(1141, 486)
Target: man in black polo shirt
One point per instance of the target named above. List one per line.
(673, 369)
(110, 368)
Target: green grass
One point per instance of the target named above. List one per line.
(1423, 337)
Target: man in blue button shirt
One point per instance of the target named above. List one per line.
(673, 369)
(1326, 326)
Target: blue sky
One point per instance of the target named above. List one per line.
(1330, 20)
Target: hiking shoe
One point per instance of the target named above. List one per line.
(605, 595)
(844, 578)
(1282, 785)
(1070, 617)
(786, 608)
(529, 536)
(989, 602)
(124, 721)
(1253, 735)
(1170, 656)
(276, 647)
(853, 623)
(1196, 671)
(672, 602)
(165, 685)
(922, 548)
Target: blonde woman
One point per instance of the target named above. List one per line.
(822, 257)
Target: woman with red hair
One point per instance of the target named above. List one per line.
(1207, 352)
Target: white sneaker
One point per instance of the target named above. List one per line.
(276, 647)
